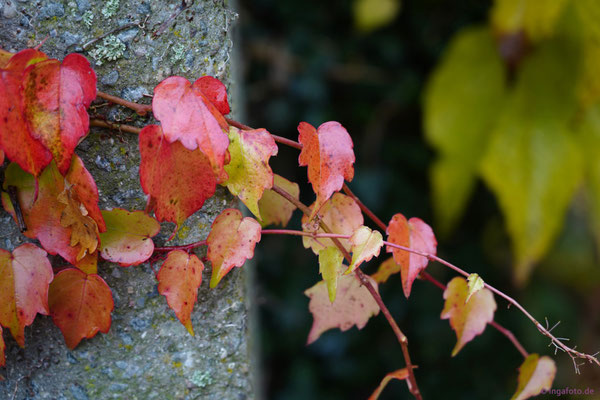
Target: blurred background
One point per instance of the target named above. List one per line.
(479, 117)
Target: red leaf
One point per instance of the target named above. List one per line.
(56, 97)
(353, 305)
(179, 278)
(215, 91)
(341, 214)
(327, 151)
(24, 278)
(230, 242)
(187, 115)
(86, 190)
(15, 137)
(417, 235)
(467, 318)
(80, 305)
(127, 237)
(2, 347)
(178, 180)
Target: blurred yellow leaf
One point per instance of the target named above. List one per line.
(461, 103)
(533, 163)
(372, 14)
(537, 19)
(590, 136)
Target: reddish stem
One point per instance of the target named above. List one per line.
(111, 125)
(402, 339)
(140, 109)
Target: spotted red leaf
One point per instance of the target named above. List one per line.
(353, 305)
(327, 151)
(188, 115)
(231, 242)
(215, 91)
(15, 135)
(417, 235)
(178, 180)
(24, 278)
(179, 278)
(467, 318)
(80, 305)
(127, 239)
(56, 97)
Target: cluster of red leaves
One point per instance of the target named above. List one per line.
(43, 116)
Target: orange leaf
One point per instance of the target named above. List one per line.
(178, 180)
(84, 187)
(24, 279)
(179, 278)
(56, 97)
(127, 237)
(417, 235)
(468, 319)
(401, 374)
(80, 305)
(327, 151)
(84, 231)
(385, 270)
(231, 242)
(353, 305)
(187, 115)
(273, 208)
(55, 231)
(341, 214)
(4, 57)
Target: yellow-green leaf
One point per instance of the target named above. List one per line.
(461, 105)
(249, 171)
(590, 136)
(533, 163)
(273, 208)
(330, 265)
(468, 319)
(536, 20)
(366, 244)
(535, 374)
(372, 14)
(475, 284)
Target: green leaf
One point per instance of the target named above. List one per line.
(475, 284)
(372, 14)
(533, 164)
(537, 21)
(535, 374)
(461, 105)
(366, 244)
(330, 265)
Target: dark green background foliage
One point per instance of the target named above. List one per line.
(305, 61)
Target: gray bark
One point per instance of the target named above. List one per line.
(147, 354)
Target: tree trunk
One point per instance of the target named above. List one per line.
(147, 353)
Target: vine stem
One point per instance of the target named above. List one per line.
(402, 339)
(143, 109)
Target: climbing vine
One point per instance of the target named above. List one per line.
(193, 148)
